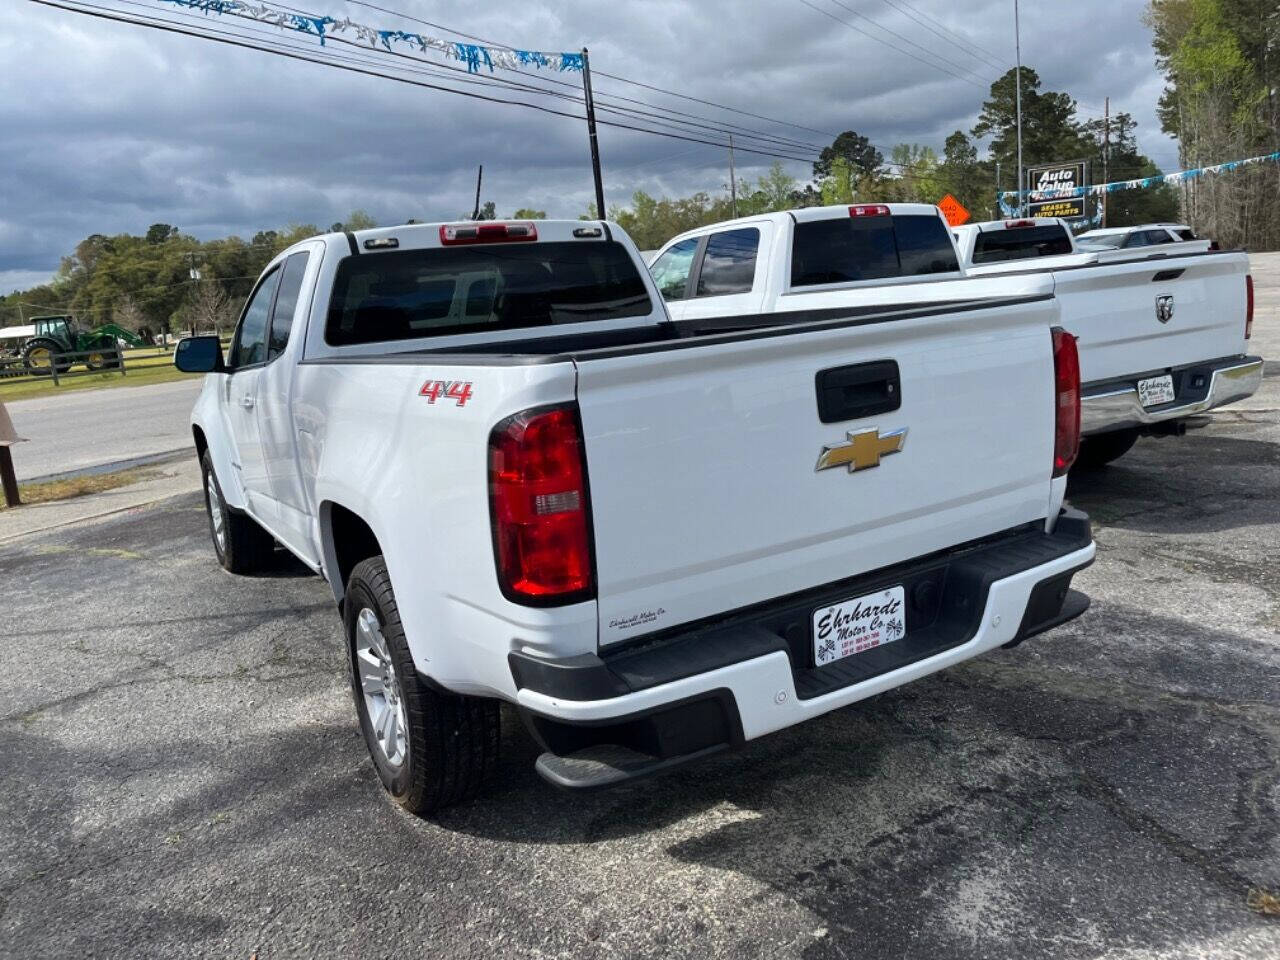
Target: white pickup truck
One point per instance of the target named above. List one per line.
(1162, 335)
(524, 482)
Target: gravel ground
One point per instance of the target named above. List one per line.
(183, 776)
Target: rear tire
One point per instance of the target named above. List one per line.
(241, 545)
(431, 749)
(1097, 451)
(41, 356)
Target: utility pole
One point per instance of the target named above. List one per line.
(475, 214)
(591, 132)
(1106, 153)
(733, 180)
(1017, 87)
(995, 213)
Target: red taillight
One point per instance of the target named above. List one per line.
(1010, 224)
(538, 496)
(1066, 401)
(869, 210)
(455, 234)
(1248, 305)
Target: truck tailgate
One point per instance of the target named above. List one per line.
(1113, 309)
(702, 460)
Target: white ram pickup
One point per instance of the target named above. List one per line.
(1162, 335)
(524, 482)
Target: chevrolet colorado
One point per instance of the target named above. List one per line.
(1162, 335)
(525, 482)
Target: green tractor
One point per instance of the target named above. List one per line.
(57, 336)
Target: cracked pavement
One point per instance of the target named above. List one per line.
(183, 776)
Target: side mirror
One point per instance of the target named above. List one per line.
(199, 355)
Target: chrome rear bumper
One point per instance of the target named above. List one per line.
(1115, 406)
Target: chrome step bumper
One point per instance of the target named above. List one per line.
(1115, 405)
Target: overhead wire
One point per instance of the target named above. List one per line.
(907, 53)
(907, 40)
(239, 40)
(952, 37)
(596, 72)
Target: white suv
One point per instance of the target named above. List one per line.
(1145, 235)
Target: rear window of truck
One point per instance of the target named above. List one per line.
(842, 250)
(420, 293)
(1020, 243)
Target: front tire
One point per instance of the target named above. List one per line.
(1099, 450)
(241, 545)
(432, 749)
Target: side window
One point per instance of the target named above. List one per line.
(250, 344)
(1155, 237)
(286, 303)
(671, 270)
(1186, 235)
(729, 265)
(1138, 239)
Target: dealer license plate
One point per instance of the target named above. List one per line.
(857, 625)
(1155, 390)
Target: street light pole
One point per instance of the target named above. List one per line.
(1017, 88)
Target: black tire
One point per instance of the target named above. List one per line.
(1097, 451)
(40, 356)
(244, 547)
(451, 744)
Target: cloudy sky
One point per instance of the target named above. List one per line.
(109, 128)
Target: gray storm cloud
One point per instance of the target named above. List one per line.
(110, 128)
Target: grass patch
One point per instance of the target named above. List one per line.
(1264, 902)
(72, 487)
(144, 372)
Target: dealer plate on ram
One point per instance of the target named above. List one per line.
(1155, 390)
(857, 625)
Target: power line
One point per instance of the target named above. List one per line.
(907, 40)
(722, 126)
(598, 72)
(993, 58)
(601, 73)
(237, 40)
(892, 46)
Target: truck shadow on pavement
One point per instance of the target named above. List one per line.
(1204, 482)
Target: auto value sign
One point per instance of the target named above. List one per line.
(1049, 190)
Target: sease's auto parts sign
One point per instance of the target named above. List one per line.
(1050, 187)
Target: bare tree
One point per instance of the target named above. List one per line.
(127, 313)
(211, 308)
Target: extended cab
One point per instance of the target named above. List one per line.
(1162, 332)
(525, 482)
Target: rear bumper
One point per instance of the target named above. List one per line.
(685, 694)
(1114, 405)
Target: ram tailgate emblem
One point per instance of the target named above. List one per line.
(863, 449)
(1164, 307)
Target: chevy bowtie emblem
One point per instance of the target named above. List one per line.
(864, 449)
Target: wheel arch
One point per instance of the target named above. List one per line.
(346, 538)
(209, 439)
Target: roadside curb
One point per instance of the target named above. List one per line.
(181, 476)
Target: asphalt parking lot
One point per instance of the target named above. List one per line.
(183, 776)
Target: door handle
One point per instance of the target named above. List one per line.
(247, 402)
(858, 390)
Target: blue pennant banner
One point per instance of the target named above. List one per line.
(1098, 189)
(473, 55)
